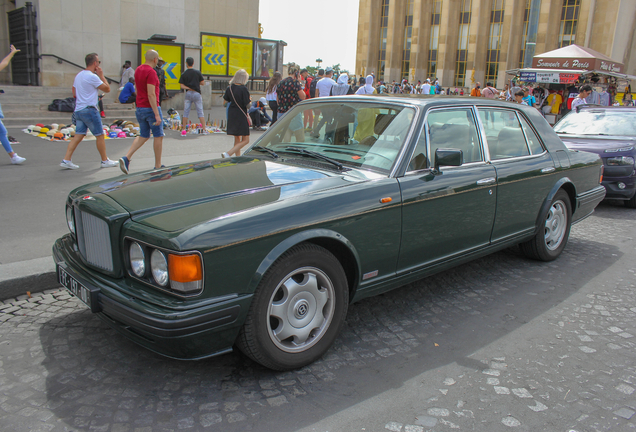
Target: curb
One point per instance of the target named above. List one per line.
(37, 274)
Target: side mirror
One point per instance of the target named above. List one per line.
(448, 157)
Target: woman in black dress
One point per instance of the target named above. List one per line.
(239, 97)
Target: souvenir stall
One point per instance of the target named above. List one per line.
(555, 77)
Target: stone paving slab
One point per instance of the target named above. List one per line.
(500, 343)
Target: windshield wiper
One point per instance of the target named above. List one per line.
(317, 156)
(265, 149)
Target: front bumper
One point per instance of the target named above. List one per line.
(182, 330)
(613, 176)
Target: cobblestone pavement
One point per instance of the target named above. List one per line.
(503, 343)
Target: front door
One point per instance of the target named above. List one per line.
(452, 210)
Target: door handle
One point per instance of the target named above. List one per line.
(547, 170)
(486, 181)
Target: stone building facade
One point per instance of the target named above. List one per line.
(73, 28)
(465, 41)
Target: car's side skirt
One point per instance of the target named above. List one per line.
(440, 266)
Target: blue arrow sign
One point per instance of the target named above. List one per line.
(168, 67)
(217, 59)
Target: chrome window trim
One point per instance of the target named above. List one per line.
(520, 126)
(428, 143)
(517, 158)
(475, 119)
(150, 284)
(531, 126)
(407, 140)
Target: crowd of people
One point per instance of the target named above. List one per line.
(145, 88)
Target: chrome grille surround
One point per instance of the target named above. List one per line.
(93, 240)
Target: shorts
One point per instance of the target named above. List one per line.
(146, 119)
(296, 123)
(192, 97)
(88, 118)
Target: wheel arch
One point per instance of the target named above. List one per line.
(344, 251)
(564, 183)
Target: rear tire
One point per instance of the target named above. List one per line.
(298, 309)
(553, 236)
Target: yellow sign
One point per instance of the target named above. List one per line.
(172, 55)
(214, 55)
(241, 55)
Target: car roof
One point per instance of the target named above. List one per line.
(422, 100)
(602, 107)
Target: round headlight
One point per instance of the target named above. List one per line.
(159, 268)
(69, 219)
(137, 259)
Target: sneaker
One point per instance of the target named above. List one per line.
(17, 160)
(123, 164)
(68, 165)
(225, 155)
(103, 114)
(162, 166)
(109, 163)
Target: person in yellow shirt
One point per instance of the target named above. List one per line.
(554, 101)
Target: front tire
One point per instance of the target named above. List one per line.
(297, 311)
(631, 203)
(551, 239)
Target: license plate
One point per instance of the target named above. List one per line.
(79, 290)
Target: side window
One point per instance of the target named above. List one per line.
(454, 129)
(533, 140)
(419, 161)
(504, 134)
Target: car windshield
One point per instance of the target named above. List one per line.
(598, 122)
(345, 135)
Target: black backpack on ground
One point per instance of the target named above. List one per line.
(63, 105)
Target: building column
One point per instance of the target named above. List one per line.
(478, 41)
(422, 10)
(448, 37)
(514, 11)
(368, 46)
(395, 40)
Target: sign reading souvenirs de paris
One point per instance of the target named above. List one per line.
(583, 64)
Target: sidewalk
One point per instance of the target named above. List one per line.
(33, 194)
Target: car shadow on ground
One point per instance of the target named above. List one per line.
(98, 379)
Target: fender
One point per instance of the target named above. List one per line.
(292, 241)
(548, 200)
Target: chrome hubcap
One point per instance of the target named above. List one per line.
(555, 225)
(300, 309)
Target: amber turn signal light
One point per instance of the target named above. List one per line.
(386, 200)
(602, 171)
(186, 272)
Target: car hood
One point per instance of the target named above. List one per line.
(596, 144)
(176, 198)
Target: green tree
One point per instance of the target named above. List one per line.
(311, 69)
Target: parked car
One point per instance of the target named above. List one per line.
(266, 251)
(609, 132)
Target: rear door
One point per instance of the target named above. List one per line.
(525, 171)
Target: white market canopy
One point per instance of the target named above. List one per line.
(565, 65)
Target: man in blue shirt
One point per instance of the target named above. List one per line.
(529, 99)
(128, 94)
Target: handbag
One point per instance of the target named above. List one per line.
(249, 120)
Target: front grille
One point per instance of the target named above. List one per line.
(93, 240)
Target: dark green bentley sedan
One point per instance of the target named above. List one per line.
(266, 251)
